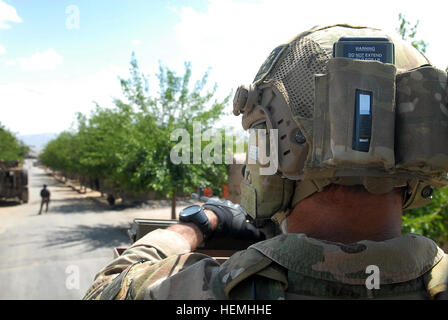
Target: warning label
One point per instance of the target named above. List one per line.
(366, 52)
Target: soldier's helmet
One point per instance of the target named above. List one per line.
(307, 97)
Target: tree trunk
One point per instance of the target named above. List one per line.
(173, 205)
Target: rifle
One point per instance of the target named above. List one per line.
(220, 248)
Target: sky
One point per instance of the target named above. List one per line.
(59, 57)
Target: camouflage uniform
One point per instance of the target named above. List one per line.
(290, 266)
(294, 266)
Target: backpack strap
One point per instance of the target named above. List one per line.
(270, 283)
(251, 275)
(267, 284)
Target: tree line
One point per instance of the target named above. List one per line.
(129, 144)
(11, 148)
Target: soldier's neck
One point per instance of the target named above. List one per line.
(347, 217)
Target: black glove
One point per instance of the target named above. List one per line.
(232, 221)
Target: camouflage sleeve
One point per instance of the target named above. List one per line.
(151, 249)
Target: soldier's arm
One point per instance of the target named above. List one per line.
(151, 249)
(191, 233)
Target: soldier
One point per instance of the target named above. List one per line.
(45, 195)
(358, 142)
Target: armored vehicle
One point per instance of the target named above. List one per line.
(13, 181)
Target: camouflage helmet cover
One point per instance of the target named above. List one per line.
(284, 93)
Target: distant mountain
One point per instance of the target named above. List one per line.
(37, 142)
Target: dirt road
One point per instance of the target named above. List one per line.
(57, 254)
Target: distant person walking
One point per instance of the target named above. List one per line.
(45, 195)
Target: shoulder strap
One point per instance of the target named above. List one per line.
(251, 275)
(270, 283)
(267, 284)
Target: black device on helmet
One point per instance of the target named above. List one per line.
(364, 48)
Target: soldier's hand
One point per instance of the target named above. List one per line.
(232, 221)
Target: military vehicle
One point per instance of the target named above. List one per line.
(13, 181)
(219, 248)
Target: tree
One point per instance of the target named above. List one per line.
(409, 31)
(130, 143)
(62, 153)
(431, 220)
(11, 148)
(177, 105)
(103, 141)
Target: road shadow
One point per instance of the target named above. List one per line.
(49, 183)
(9, 203)
(90, 205)
(92, 237)
(124, 206)
(74, 206)
(61, 189)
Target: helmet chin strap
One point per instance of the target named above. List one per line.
(306, 188)
(303, 190)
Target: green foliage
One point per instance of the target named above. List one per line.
(130, 144)
(408, 32)
(431, 220)
(62, 153)
(177, 105)
(11, 148)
